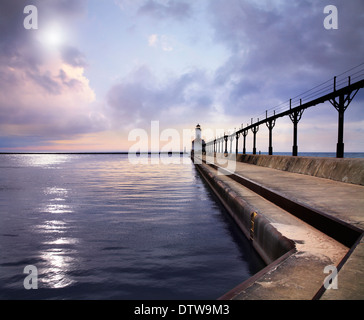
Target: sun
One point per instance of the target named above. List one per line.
(52, 36)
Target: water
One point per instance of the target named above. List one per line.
(99, 227)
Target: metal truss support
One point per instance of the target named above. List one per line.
(237, 136)
(295, 117)
(255, 130)
(270, 125)
(244, 133)
(231, 143)
(341, 106)
(226, 138)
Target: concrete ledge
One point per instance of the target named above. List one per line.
(296, 254)
(343, 170)
(243, 287)
(350, 275)
(269, 243)
(341, 231)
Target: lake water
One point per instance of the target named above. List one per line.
(99, 227)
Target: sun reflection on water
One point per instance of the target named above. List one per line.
(59, 251)
(45, 160)
(59, 263)
(56, 227)
(56, 203)
(58, 208)
(59, 255)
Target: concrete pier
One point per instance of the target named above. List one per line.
(300, 223)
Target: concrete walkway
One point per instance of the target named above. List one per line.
(301, 274)
(343, 200)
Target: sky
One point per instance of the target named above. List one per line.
(116, 75)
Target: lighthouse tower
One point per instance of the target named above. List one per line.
(198, 145)
(198, 133)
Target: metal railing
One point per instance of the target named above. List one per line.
(343, 87)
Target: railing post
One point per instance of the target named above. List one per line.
(245, 133)
(226, 140)
(237, 143)
(231, 143)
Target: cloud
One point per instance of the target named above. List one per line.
(262, 53)
(49, 97)
(65, 7)
(163, 42)
(280, 49)
(141, 98)
(277, 51)
(73, 56)
(172, 9)
(152, 40)
(158, 9)
(43, 92)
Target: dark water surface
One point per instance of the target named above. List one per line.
(99, 227)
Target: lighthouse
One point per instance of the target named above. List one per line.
(198, 145)
(198, 132)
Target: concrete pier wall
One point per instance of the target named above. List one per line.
(343, 170)
(273, 208)
(267, 241)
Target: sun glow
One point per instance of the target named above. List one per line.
(52, 36)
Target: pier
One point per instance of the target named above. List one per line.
(303, 215)
(300, 223)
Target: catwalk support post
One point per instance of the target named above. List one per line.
(341, 106)
(270, 125)
(255, 130)
(226, 137)
(295, 117)
(237, 142)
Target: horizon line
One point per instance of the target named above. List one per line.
(148, 152)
